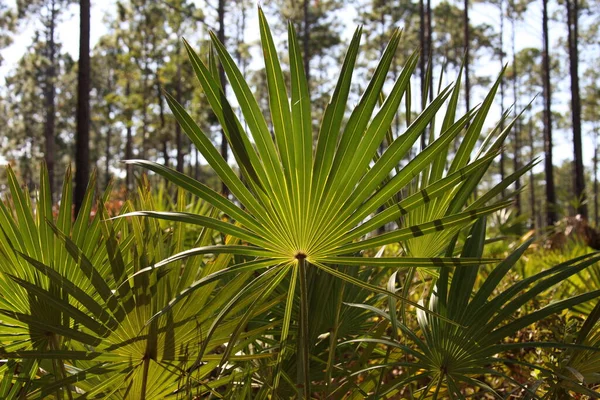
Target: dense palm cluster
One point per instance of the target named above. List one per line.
(346, 267)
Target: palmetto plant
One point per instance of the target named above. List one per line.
(443, 358)
(578, 368)
(305, 213)
(73, 324)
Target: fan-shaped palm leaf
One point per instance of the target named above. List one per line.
(72, 321)
(302, 208)
(449, 357)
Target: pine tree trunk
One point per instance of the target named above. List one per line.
(466, 44)
(82, 146)
(306, 38)
(517, 126)
(579, 178)
(551, 216)
(197, 162)
(161, 116)
(49, 97)
(144, 110)
(423, 46)
(502, 173)
(107, 150)
(28, 173)
(129, 139)
(165, 150)
(221, 36)
(532, 199)
(430, 46)
(596, 179)
(178, 135)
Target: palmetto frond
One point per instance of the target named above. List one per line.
(450, 357)
(298, 206)
(72, 318)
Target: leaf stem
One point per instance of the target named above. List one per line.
(304, 346)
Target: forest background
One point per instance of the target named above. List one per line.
(136, 53)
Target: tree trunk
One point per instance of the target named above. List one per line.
(306, 39)
(596, 179)
(178, 135)
(517, 126)
(221, 36)
(547, 93)
(466, 44)
(144, 110)
(430, 46)
(196, 163)
(129, 139)
(82, 152)
(242, 62)
(49, 95)
(28, 154)
(423, 46)
(161, 114)
(532, 199)
(107, 154)
(572, 28)
(502, 173)
(165, 150)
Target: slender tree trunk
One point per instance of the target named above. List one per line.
(547, 92)
(466, 44)
(532, 199)
(241, 60)
(107, 155)
(572, 29)
(178, 135)
(517, 126)
(502, 173)
(221, 36)
(108, 117)
(430, 46)
(306, 39)
(49, 95)
(196, 163)
(82, 153)
(426, 53)
(596, 179)
(129, 139)
(165, 150)
(29, 153)
(381, 32)
(144, 110)
(423, 44)
(539, 216)
(161, 115)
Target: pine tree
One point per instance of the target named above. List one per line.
(26, 117)
(47, 11)
(82, 153)
(548, 144)
(7, 26)
(221, 36)
(106, 104)
(573, 39)
(320, 36)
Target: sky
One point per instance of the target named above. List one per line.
(528, 34)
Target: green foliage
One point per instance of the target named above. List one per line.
(454, 356)
(72, 314)
(290, 288)
(304, 208)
